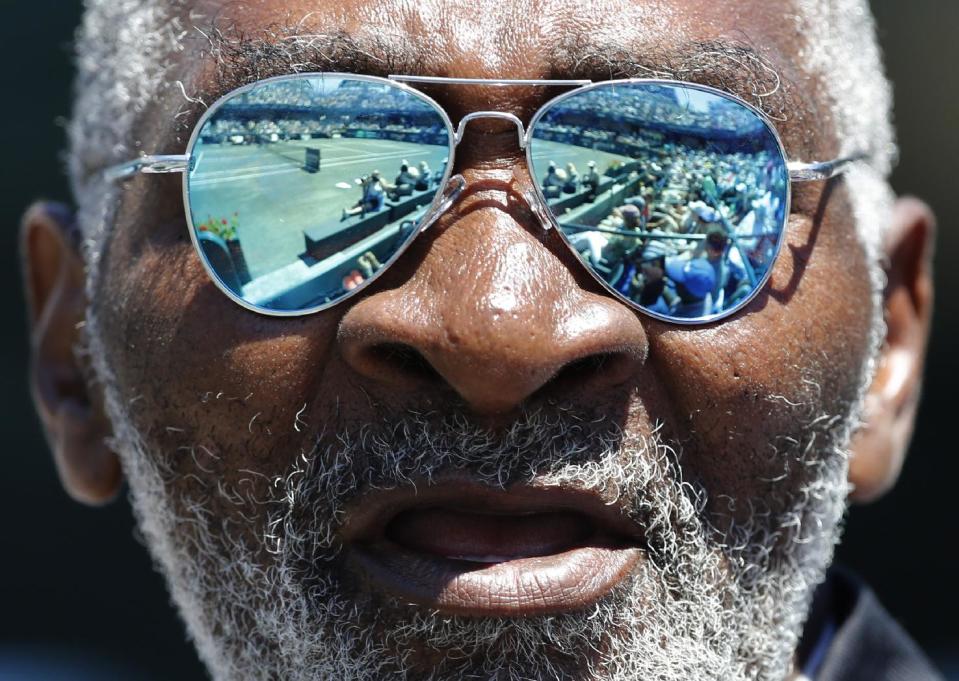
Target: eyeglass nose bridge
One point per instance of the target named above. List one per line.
(501, 115)
(536, 205)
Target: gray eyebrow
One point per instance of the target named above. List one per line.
(241, 59)
(288, 48)
(734, 67)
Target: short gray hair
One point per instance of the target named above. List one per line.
(842, 51)
(124, 51)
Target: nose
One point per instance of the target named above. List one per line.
(491, 307)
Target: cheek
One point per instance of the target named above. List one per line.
(200, 373)
(745, 391)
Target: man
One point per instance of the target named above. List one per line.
(425, 177)
(484, 400)
(616, 246)
(624, 217)
(649, 286)
(731, 282)
(554, 181)
(701, 218)
(375, 190)
(406, 180)
(695, 282)
(591, 180)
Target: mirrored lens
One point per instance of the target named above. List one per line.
(303, 188)
(675, 196)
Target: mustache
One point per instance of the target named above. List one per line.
(417, 448)
(558, 446)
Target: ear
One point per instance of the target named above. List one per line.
(69, 408)
(879, 448)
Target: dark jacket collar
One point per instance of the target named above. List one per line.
(850, 637)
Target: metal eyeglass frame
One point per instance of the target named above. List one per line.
(450, 187)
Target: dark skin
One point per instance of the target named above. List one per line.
(492, 313)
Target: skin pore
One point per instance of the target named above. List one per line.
(486, 339)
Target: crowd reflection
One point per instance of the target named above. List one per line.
(686, 216)
(323, 107)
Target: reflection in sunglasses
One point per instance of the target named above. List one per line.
(682, 205)
(301, 159)
(673, 196)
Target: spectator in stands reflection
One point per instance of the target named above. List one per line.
(649, 286)
(405, 181)
(642, 207)
(708, 187)
(368, 265)
(374, 195)
(731, 283)
(624, 217)
(591, 246)
(694, 280)
(590, 180)
(352, 280)
(572, 179)
(554, 181)
(426, 177)
(669, 212)
(701, 218)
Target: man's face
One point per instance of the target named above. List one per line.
(485, 464)
(715, 250)
(653, 271)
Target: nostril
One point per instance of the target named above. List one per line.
(602, 368)
(584, 367)
(404, 359)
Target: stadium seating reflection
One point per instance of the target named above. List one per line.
(686, 218)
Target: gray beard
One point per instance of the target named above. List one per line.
(279, 603)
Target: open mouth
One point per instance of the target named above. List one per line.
(468, 549)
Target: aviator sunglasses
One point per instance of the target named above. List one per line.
(301, 190)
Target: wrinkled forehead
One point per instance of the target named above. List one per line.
(751, 48)
(494, 35)
(526, 38)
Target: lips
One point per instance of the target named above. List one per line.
(463, 548)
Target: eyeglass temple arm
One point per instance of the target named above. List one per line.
(149, 165)
(821, 170)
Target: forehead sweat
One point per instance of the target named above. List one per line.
(257, 531)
